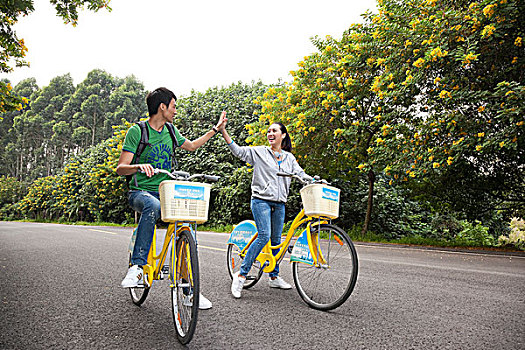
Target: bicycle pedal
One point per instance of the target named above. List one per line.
(165, 269)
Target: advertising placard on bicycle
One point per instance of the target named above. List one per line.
(242, 233)
(301, 250)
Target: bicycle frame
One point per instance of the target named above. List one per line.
(155, 263)
(268, 260)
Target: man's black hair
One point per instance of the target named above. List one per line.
(158, 96)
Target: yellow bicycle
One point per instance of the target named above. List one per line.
(324, 259)
(184, 204)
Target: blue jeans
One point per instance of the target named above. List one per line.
(148, 205)
(269, 219)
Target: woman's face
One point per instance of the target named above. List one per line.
(275, 136)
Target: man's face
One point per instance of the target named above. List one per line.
(170, 111)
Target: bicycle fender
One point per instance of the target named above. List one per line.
(242, 233)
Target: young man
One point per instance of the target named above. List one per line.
(144, 195)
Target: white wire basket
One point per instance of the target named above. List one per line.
(320, 200)
(184, 201)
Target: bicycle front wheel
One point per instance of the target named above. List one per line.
(328, 285)
(185, 288)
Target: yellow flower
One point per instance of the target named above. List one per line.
(517, 42)
(436, 165)
(502, 143)
(481, 134)
(360, 166)
(488, 11)
(338, 132)
(488, 30)
(437, 80)
(419, 63)
(470, 58)
(520, 123)
(450, 160)
(479, 148)
(481, 108)
(444, 94)
(514, 60)
(380, 141)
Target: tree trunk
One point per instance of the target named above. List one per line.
(94, 128)
(371, 181)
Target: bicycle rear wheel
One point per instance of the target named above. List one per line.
(234, 261)
(327, 286)
(138, 295)
(185, 288)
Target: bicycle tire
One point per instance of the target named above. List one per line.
(185, 290)
(138, 295)
(328, 287)
(234, 261)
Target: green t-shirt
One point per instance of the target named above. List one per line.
(158, 153)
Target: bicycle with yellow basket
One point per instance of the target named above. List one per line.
(323, 257)
(184, 204)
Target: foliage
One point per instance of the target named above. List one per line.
(416, 92)
(197, 113)
(475, 235)
(62, 120)
(11, 190)
(516, 237)
(14, 49)
(105, 191)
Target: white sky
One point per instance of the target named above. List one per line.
(183, 45)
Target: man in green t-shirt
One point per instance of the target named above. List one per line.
(143, 194)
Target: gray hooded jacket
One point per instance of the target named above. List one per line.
(265, 182)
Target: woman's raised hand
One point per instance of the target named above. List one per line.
(221, 124)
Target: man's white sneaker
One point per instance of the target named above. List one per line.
(279, 283)
(204, 303)
(237, 284)
(134, 277)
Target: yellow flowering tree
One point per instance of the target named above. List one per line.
(465, 62)
(422, 89)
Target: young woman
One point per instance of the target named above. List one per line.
(269, 194)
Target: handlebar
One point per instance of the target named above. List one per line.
(316, 179)
(182, 175)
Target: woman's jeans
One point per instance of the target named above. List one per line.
(148, 205)
(269, 218)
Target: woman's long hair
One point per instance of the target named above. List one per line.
(286, 144)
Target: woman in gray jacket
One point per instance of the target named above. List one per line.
(269, 194)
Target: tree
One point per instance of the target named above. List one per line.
(421, 87)
(464, 61)
(14, 50)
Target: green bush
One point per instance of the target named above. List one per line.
(475, 235)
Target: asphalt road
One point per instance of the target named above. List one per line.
(60, 290)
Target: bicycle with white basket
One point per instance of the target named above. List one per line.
(184, 204)
(324, 259)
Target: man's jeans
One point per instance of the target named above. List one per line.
(148, 205)
(269, 218)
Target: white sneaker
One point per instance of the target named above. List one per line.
(279, 283)
(204, 303)
(134, 277)
(237, 284)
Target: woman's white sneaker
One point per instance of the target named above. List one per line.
(279, 283)
(237, 284)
